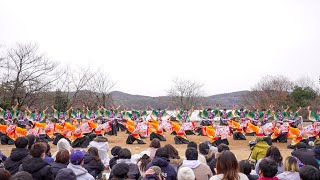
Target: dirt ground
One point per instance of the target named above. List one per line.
(240, 148)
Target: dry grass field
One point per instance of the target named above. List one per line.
(240, 148)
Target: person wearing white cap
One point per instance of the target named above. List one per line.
(186, 173)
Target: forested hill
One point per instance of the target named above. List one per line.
(139, 101)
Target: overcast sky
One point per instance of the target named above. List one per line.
(143, 45)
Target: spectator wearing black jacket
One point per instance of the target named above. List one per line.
(92, 162)
(36, 166)
(18, 155)
(115, 156)
(62, 161)
(304, 155)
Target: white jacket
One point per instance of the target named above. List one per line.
(103, 148)
(287, 175)
(81, 172)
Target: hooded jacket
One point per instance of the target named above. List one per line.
(167, 170)
(289, 175)
(80, 172)
(92, 166)
(38, 168)
(56, 167)
(259, 150)
(200, 170)
(17, 156)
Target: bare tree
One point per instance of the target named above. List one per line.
(270, 90)
(185, 93)
(83, 86)
(27, 73)
(78, 81)
(102, 86)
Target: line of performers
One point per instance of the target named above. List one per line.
(273, 126)
(80, 126)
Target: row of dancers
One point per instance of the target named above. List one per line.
(81, 126)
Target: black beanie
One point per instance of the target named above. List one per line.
(115, 150)
(120, 170)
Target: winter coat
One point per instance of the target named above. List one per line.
(220, 176)
(56, 167)
(259, 150)
(81, 173)
(200, 170)
(92, 166)
(101, 143)
(17, 156)
(287, 175)
(306, 157)
(166, 169)
(38, 168)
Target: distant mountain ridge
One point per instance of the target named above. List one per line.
(140, 101)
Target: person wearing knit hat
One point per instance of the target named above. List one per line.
(186, 173)
(120, 171)
(115, 156)
(115, 150)
(66, 174)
